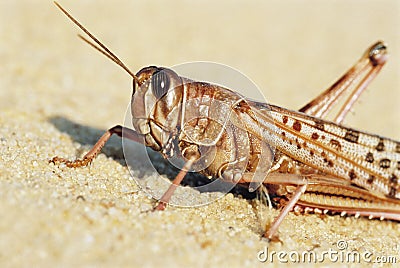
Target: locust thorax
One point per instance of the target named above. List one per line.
(156, 105)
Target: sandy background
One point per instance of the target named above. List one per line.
(57, 96)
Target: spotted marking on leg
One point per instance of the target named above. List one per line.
(393, 180)
(319, 125)
(336, 144)
(369, 157)
(380, 147)
(297, 125)
(392, 192)
(384, 163)
(352, 174)
(315, 136)
(352, 136)
(285, 119)
(397, 149)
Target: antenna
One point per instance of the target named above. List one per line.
(100, 46)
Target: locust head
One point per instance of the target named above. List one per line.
(156, 104)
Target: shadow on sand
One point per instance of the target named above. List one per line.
(87, 136)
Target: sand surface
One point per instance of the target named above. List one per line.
(58, 96)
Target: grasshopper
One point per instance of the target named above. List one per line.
(307, 161)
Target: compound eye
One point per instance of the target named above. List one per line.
(160, 83)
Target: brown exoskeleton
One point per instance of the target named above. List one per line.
(318, 165)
